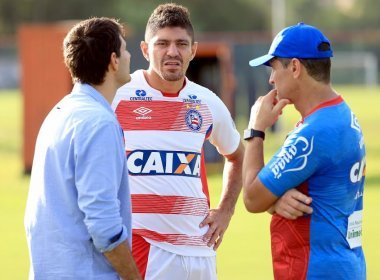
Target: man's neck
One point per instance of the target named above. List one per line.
(108, 91)
(162, 85)
(313, 97)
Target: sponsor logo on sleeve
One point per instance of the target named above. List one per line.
(300, 151)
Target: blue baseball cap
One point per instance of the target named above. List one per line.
(297, 41)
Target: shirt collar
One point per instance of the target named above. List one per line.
(332, 102)
(93, 93)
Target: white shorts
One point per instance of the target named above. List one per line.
(163, 265)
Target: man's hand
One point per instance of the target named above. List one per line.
(219, 218)
(293, 204)
(122, 261)
(266, 110)
(218, 221)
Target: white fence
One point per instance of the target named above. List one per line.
(357, 67)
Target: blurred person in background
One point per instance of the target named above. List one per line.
(318, 173)
(78, 213)
(166, 119)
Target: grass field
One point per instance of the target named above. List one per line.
(245, 252)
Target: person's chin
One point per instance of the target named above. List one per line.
(172, 77)
(126, 80)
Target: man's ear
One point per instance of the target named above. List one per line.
(194, 48)
(144, 49)
(296, 67)
(114, 62)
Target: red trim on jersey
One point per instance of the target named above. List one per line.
(170, 94)
(175, 239)
(290, 241)
(140, 252)
(158, 115)
(208, 132)
(204, 177)
(160, 204)
(332, 102)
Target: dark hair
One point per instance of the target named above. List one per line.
(169, 15)
(319, 69)
(88, 46)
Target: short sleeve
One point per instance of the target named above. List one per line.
(224, 135)
(293, 164)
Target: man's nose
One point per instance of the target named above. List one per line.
(172, 50)
(271, 80)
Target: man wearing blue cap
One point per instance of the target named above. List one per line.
(321, 164)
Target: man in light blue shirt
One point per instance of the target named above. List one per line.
(78, 213)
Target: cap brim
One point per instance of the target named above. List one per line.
(261, 60)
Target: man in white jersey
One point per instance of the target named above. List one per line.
(166, 119)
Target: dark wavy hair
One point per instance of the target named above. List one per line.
(88, 46)
(319, 69)
(169, 15)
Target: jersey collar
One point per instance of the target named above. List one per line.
(332, 102)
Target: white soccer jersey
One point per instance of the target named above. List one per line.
(164, 137)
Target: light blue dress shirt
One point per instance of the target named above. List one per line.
(79, 201)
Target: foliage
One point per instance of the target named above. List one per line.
(342, 15)
(211, 15)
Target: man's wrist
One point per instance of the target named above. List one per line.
(254, 124)
(250, 133)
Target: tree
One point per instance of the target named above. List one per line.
(210, 15)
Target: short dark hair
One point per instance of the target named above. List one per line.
(88, 46)
(169, 15)
(318, 69)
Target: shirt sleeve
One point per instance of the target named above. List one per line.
(293, 164)
(100, 160)
(224, 135)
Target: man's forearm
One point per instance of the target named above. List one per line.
(264, 113)
(253, 160)
(232, 180)
(253, 195)
(122, 261)
(218, 219)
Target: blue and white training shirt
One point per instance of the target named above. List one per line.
(324, 157)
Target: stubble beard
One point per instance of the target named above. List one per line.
(172, 77)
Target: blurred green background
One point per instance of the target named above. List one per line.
(235, 15)
(245, 28)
